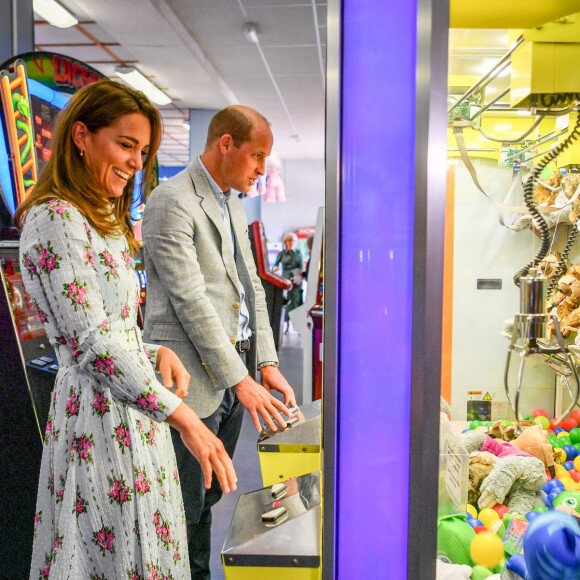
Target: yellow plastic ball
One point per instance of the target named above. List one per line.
(560, 455)
(469, 509)
(577, 463)
(563, 434)
(488, 517)
(568, 483)
(486, 549)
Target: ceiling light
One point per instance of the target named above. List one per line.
(138, 81)
(54, 13)
(251, 33)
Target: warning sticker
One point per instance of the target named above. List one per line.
(487, 397)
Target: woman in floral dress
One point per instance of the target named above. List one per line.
(109, 502)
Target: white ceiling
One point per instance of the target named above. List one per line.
(196, 51)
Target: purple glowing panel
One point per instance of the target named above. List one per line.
(377, 200)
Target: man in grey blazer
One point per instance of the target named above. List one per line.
(206, 302)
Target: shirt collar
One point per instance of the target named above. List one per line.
(212, 182)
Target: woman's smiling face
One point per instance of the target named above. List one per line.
(115, 153)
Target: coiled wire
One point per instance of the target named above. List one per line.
(537, 217)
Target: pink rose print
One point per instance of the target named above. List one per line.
(41, 314)
(50, 432)
(58, 208)
(72, 403)
(96, 577)
(133, 575)
(136, 532)
(82, 446)
(105, 364)
(150, 352)
(101, 404)
(163, 530)
(148, 400)
(74, 345)
(80, 505)
(124, 312)
(176, 475)
(104, 327)
(127, 259)
(161, 478)
(48, 259)
(76, 292)
(154, 572)
(119, 491)
(89, 260)
(105, 539)
(37, 521)
(60, 492)
(122, 436)
(142, 483)
(107, 260)
(28, 264)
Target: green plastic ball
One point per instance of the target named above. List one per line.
(475, 424)
(574, 435)
(543, 421)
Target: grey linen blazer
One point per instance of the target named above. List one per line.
(194, 286)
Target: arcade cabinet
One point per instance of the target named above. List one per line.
(274, 285)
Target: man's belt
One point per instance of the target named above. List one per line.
(243, 345)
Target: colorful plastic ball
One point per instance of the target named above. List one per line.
(575, 414)
(574, 435)
(559, 455)
(501, 509)
(550, 432)
(479, 529)
(558, 430)
(552, 485)
(541, 508)
(540, 413)
(468, 509)
(531, 515)
(466, 431)
(569, 423)
(506, 423)
(575, 475)
(554, 424)
(474, 522)
(543, 421)
(475, 423)
(571, 452)
(486, 549)
(568, 465)
(488, 516)
(576, 446)
(577, 463)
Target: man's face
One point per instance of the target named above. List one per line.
(242, 166)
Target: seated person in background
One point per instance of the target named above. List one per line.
(292, 264)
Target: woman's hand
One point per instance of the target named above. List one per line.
(205, 447)
(172, 371)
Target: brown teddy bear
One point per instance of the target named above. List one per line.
(570, 184)
(481, 464)
(544, 194)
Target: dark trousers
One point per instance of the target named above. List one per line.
(225, 423)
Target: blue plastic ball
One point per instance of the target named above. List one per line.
(474, 522)
(466, 431)
(571, 452)
(531, 515)
(558, 430)
(552, 485)
(568, 465)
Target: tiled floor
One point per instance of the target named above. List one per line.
(246, 460)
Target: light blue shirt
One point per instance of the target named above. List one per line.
(222, 198)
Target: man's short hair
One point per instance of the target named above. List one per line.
(232, 121)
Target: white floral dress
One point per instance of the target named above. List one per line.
(109, 503)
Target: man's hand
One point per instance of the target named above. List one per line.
(172, 371)
(205, 447)
(258, 401)
(273, 379)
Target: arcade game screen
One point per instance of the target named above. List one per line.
(45, 114)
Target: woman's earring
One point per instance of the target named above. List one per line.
(81, 152)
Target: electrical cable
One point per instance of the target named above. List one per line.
(531, 204)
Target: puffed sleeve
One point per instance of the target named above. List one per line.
(62, 281)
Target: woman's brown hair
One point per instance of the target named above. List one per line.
(97, 105)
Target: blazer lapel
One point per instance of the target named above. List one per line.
(211, 208)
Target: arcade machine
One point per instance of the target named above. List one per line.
(274, 285)
(307, 318)
(34, 87)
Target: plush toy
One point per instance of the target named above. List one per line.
(570, 184)
(550, 264)
(546, 195)
(509, 432)
(481, 464)
(517, 475)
